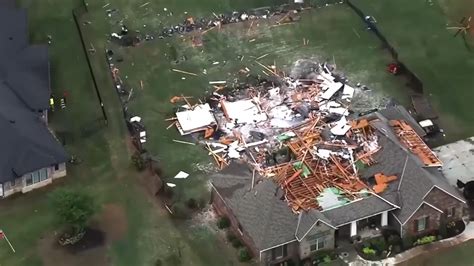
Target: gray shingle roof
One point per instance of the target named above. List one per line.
(264, 216)
(355, 210)
(26, 142)
(417, 180)
(306, 221)
(399, 112)
(23, 67)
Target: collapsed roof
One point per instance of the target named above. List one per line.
(403, 195)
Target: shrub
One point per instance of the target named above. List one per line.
(180, 210)
(236, 243)
(138, 162)
(244, 255)
(73, 208)
(192, 204)
(407, 242)
(368, 251)
(327, 259)
(230, 236)
(394, 240)
(378, 243)
(425, 240)
(223, 223)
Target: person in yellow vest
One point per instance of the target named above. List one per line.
(51, 103)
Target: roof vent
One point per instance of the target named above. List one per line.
(12, 121)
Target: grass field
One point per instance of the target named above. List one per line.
(444, 64)
(355, 50)
(335, 33)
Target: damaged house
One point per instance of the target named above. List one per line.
(294, 212)
(31, 156)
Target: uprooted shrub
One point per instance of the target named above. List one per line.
(223, 222)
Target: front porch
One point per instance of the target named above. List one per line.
(361, 229)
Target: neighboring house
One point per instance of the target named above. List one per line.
(420, 201)
(30, 155)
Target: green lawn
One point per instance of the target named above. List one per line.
(417, 30)
(356, 52)
(334, 33)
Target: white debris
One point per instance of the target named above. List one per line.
(195, 120)
(341, 127)
(181, 175)
(331, 90)
(244, 111)
(135, 119)
(347, 92)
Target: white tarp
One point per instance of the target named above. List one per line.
(244, 111)
(196, 119)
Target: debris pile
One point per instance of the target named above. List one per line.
(293, 130)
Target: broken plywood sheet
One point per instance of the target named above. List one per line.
(196, 119)
(244, 111)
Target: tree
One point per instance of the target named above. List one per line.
(73, 208)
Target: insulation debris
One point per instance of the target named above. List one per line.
(297, 132)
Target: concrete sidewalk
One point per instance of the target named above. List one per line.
(466, 235)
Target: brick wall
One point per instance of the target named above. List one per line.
(434, 216)
(444, 201)
(222, 210)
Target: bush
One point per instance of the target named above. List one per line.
(230, 236)
(73, 208)
(407, 242)
(236, 243)
(425, 240)
(394, 240)
(368, 251)
(138, 162)
(180, 210)
(244, 255)
(327, 259)
(223, 223)
(192, 204)
(378, 243)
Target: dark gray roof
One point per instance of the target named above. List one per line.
(356, 210)
(26, 143)
(306, 221)
(24, 68)
(261, 213)
(399, 112)
(407, 192)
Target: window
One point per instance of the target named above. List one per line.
(29, 180)
(451, 212)
(317, 245)
(43, 173)
(36, 177)
(279, 252)
(422, 224)
(56, 167)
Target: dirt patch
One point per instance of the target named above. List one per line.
(113, 221)
(53, 254)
